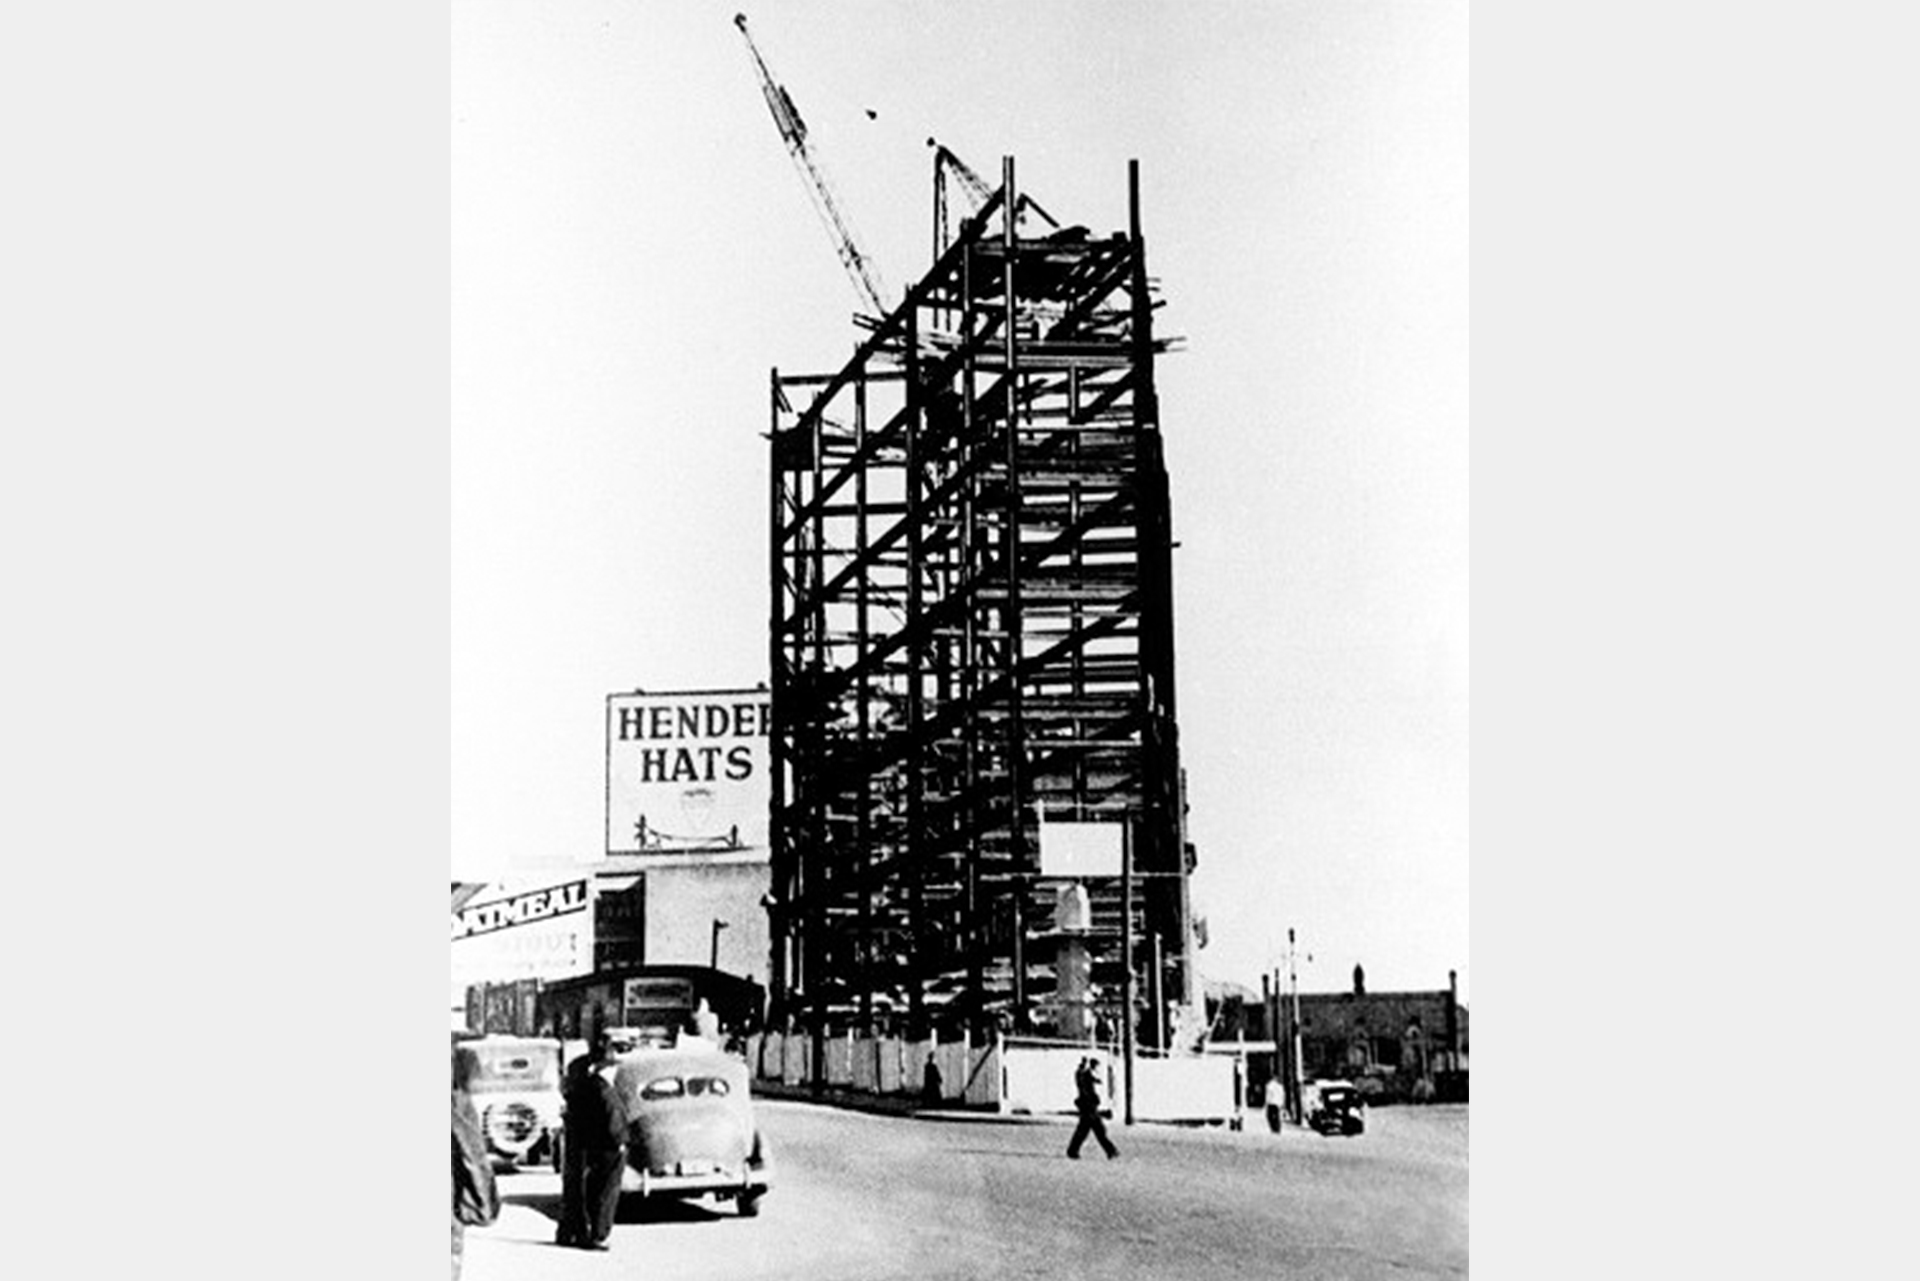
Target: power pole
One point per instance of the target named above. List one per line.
(1157, 995)
(1270, 1007)
(1126, 968)
(1295, 1086)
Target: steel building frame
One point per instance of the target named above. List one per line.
(972, 629)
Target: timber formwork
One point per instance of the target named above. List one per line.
(972, 629)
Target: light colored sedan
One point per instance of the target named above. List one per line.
(691, 1129)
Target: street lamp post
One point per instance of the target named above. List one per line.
(713, 956)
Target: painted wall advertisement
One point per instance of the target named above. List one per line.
(524, 930)
(687, 771)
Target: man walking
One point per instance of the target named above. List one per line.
(596, 1127)
(1086, 1102)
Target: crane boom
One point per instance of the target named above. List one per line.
(793, 133)
(976, 186)
(945, 164)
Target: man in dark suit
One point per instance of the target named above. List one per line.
(595, 1155)
(1087, 1103)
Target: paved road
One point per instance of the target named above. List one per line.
(868, 1198)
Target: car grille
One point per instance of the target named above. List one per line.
(510, 1125)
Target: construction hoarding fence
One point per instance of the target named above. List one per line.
(1008, 1075)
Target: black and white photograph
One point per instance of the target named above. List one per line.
(915, 561)
(959, 640)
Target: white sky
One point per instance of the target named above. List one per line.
(633, 251)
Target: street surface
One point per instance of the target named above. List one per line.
(869, 1198)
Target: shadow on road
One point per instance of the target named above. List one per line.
(547, 1203)
(633, 1209)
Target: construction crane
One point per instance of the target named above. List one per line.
(944, 161)
(793, 132)
(946, 164)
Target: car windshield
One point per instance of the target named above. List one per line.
(524, 1067)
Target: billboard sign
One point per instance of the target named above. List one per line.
(650, 995)
(687, 771)
(519, 909)
(1081, 849)
(524, 931)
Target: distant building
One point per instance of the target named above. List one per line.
(684, 909)
(1400, 1045)
(1398, 1038)
(515, 934)
(683, 880)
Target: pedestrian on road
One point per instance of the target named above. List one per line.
(1087, 1101)
(476, 1200)
(595, 1153)
(931, 1092)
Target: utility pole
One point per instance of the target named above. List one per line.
(1157, 995)
(1019, 958)
(1295, 1086)
(1126, 970)
(1270, 1009)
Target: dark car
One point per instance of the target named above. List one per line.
(1336, 1107)
(691, 1130)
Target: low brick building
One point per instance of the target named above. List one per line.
(1399, 1039)
(1396, 1045)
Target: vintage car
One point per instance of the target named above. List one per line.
(1336, 1107)
(691, 1129)
(516, 1091)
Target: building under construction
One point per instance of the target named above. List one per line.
(972, 636)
